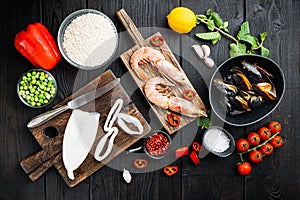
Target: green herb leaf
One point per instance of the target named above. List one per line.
(215, 41)
(209, 36)
(263, 36)
(209, 12)
(253, 41)
(201, 17)
(264, 51)
(211, 25)
(250, 51)
(225, 25)
(205, 122)
(237, 49)
(244, 30)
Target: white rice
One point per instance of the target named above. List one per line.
(90, 40)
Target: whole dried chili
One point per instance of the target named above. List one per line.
(194, 157)
(173, 119)
(183, 151)
(196, 146)
(170, 170)
(38, 46)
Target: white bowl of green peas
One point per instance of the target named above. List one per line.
(37, 88)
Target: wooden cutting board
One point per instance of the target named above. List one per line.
(50, 134)
(166, 51)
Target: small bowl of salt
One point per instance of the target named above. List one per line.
(218, 141)
(87, 39)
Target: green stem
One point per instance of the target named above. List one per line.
(241, 157)
(258, 146)
(259, 46)
(220, 30)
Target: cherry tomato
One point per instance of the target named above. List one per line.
(157, 40)
(173, 119)
(189, 94)
(276, 141)
(255, 156)
(274, 127)
(140, 163)
(244, 168)
(242, 145)
(267, 149)
(196, 146)
(253, 138)
(182, 151)
(264, 133)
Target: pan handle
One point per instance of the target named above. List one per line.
(131, 28)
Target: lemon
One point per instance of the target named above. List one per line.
(181, 19)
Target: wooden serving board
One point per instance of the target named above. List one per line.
(51, 155)
(165, 50)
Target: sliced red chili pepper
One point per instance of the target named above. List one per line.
(38, 46)
(173, 119)
(189, 94)
(140, 163)
(157, 40)
(183, 151)
(170, 170)
(196, 146)
(194, 157)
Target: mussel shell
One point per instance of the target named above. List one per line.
(225, 88)
(256, 101)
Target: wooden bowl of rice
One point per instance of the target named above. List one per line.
(87, 39)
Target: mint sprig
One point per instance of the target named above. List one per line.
(244, 42)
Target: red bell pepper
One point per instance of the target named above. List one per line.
(38, 46)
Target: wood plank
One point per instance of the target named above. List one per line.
(272, 177)
(15, 140)
(217, 174)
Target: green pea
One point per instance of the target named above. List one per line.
(32, 103)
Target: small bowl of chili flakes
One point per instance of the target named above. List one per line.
(157, 145)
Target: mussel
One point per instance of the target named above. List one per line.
(245, 87)
(251, 72)
(225, 88)
(253, 99)
(238, 78)
(267, 90)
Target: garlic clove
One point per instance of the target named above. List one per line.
(198, 51)
(209, 62)
(206, 50)
(127, 176)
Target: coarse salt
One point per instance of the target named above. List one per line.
(90, 39)
(216, 140)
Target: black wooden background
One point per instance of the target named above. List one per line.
(277, 177)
